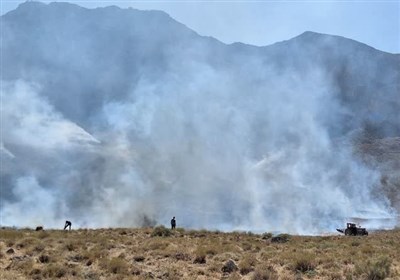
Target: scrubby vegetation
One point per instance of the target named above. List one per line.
(160, 253)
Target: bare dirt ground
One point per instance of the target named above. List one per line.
(158, 253)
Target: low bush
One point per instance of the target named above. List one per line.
(21, 264)
(281, 238)
(26, 242)
(39, 247)
(43, 234)
(138, 258)
(200, 255)
(78, 258)
(213, 249)
(156, 244)
(11, 234)
(161, 231)
(115, 266)
(200, 259)
(247, 246)
(44, 259)
(304, 262)
(229, 267)
(246, 265)
(377, 270)
(180, 230)
(264, 273)
(182, 256)
(73, 245)
(266, 235)
(54, 271)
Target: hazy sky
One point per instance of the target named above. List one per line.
(376, 23)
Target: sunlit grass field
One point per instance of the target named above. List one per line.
(158, 253)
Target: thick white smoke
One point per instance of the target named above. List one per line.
(215, 151)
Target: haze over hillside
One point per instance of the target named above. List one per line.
(121, 117)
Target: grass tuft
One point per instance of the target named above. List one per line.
(246, 265)
(378, 270)
(304, 262)
(266, 235)
(115, 266)
(265, 273)
(161, 231)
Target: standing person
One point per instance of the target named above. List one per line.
(173, 223)
(67, 224)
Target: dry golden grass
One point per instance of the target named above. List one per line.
(164, 254)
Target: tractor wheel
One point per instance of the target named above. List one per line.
(347, 231)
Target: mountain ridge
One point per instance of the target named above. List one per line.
(72, 6)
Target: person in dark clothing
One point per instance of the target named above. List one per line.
(67, 224)
(173, 223)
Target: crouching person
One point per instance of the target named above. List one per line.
(67, 224)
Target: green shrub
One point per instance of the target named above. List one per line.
(161, 231)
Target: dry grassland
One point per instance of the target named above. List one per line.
(162, 254)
